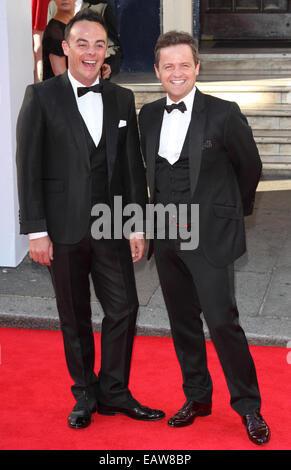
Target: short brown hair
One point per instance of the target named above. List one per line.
(86, 14)
(174, 38)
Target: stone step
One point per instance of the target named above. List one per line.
(251, 93)
(279, 109)
(261, 122)
(272, 155)
(217, 65)
(274, 147)
(277, 102)
(231, 75)
(247, 93)
(268, 116)
(237, 63)
(273, 135)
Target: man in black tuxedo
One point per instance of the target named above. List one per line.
(77, 146)
(200, 150)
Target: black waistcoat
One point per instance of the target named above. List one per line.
(172, 182)
(99, 172)
(172, 186)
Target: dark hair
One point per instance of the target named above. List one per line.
(86, 14)
(174, 38)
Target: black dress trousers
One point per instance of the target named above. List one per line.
(191, 285)
(110, 264)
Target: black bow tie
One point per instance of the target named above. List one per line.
(181, 106)
(85, 89)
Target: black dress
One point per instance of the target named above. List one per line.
(52, 44)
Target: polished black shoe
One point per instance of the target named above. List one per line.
(134, 410)
(257, 429)
(81, 415)
(188, 413)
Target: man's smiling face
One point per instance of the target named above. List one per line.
(86, 51)
(177, 70)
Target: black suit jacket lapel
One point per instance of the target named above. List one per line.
(152, 142)
(196, 133)
(73, 118)
(75, 121)
(111, 121)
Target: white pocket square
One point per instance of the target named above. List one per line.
(122, 123)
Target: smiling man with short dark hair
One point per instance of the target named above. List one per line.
(77, 146)
(200, 150)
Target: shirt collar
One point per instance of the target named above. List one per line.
(188, 99)
(75, 84)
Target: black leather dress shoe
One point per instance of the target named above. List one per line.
(134, 410)
(257, 428)
(188, 413)
(80, 417)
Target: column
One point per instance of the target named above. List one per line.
(16, 73)
(177, 15)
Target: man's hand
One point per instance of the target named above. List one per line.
(41, 250)
(137, 245)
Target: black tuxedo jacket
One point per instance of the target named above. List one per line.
(224, 166)
(53, 160)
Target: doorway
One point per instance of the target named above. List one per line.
(139, 27)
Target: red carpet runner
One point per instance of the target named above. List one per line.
(36, 399)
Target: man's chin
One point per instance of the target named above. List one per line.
(176, 96)
(89, 79)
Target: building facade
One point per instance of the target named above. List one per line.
(214, 23)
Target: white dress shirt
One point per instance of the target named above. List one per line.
(174, 129)
(91, 109)
(90, 106)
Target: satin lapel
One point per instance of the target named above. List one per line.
(196, 133)
(111, 120)
(73, 117)
(152, 142)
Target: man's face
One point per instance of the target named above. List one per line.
(65, 5)
(177, 70)
(86, 50)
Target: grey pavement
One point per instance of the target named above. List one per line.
(262, 277)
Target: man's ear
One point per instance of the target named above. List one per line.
(197, 68)
(157, 71)
(65, 47)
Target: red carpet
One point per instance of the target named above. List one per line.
(36, 399)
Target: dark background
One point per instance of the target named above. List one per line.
(139, 27)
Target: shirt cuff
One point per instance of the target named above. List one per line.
(33, 236)
(136, 235)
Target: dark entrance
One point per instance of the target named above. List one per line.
(246, 21)
(139, 27)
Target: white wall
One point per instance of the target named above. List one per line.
(16, 72)
(177, 14)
